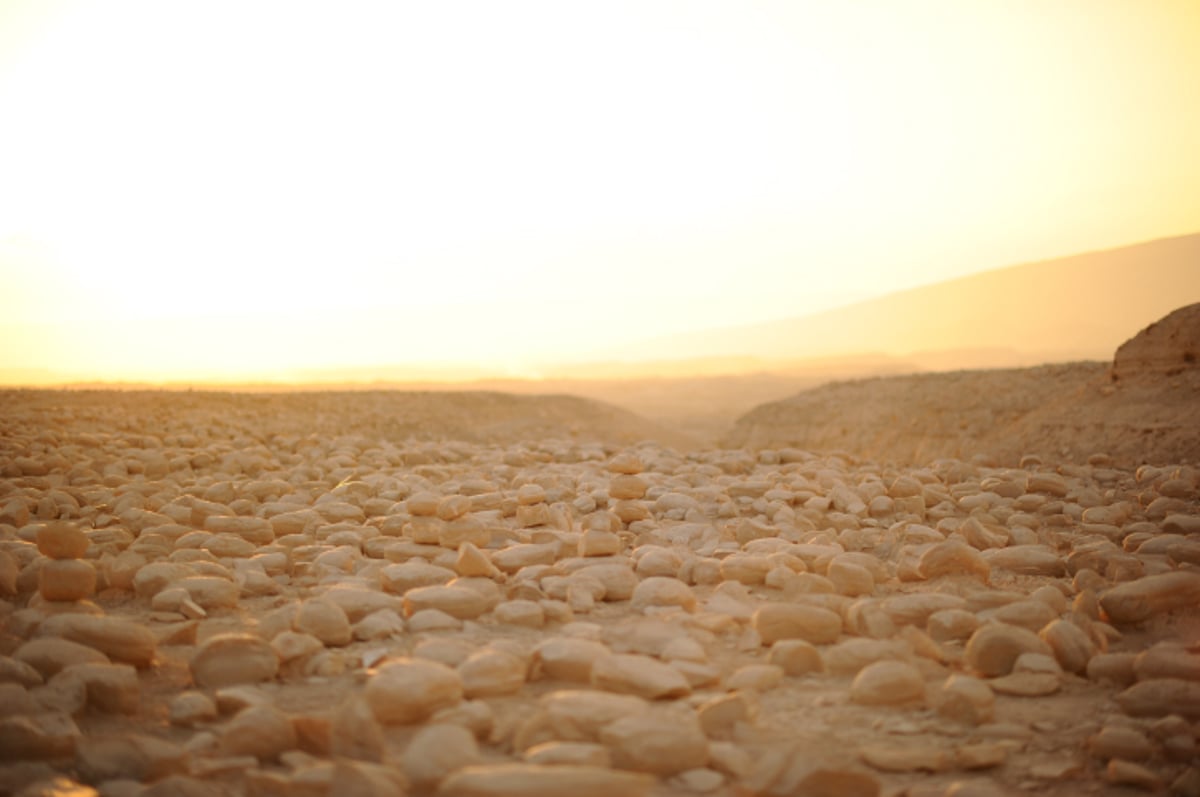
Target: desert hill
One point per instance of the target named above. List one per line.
(1141, 409)
(481, 417)
(1070, 308)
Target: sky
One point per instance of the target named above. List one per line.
(245, 189)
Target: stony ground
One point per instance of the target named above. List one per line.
(204, 594)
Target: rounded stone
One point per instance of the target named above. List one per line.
(232, 659)
(406, 691)
(62, 539)
(888, 683)
(993, 648)
(66, 580)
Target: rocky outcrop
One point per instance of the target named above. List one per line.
(1169, 347)
(1139, 410)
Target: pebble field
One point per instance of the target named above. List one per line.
(203, 594)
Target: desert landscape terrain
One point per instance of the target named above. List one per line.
(951, 584)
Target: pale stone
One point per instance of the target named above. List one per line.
(776, 621)
(719, 716)
(1116, 668)
(520, 612)
(888, 683)
(515, 557)
(381, 624)
(659, 743)
(1026, 684)
(756, 677)
(1127, 773)
(66, 580)
(50, 655)
(111, 688)
(406, 691)
(138, 757)
(1071, 646)
(965, 699)
(1159, 697)
(1120, 741)
(190, 708)
(598, 542)
(1030, 560)
(62, 539)
(211, 592)
(747, 569)
(1167, 660)
(579, 715)
(473, 562)
(231, 659)
(462, 531)
(796, 657)
(120, 639)
(698, 781)
(10, 572)
(915, 608)
(588, 754)
(823, 782)
(850, 579)
(436, 752)
(951, 625)
(354, 732)
(157, 576)
(49, 735)
(252, 529)
(907, 758)
(638, 675)
(953, 557)
(15, 671)
(324, 620)
(490, 673)
(1032, 615)
(663, 591)
(1139, 600)
(458, 602)
(433, 620)
(619, 581)
(533, 780)
(627, 487)
(983, 755)
(400, 578)
(263, 731)
(993, 649)
(295, 648)
(568, 659)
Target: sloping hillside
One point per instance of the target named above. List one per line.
(1070, 308)
(1147, 413)
(394, 416)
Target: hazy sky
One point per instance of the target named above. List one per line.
(234, 187)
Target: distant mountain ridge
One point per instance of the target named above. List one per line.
(1070, 308)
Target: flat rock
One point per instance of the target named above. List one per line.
(1159, 697)
(405, 691)
(232, 659)
(993, 648)
(1137, 601)
(62, 539)
(533, 780)
(120, 639)
(634, 674)
(776, 621)
(888, 683)
(659, 743)
(261, 731)
(436, 752)
(48, 655)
